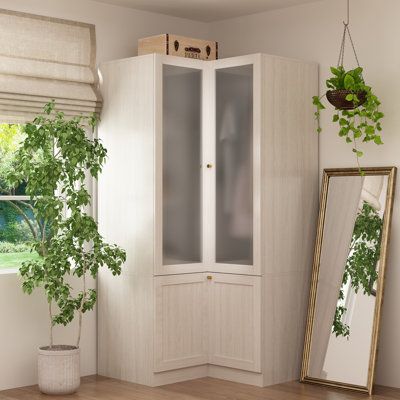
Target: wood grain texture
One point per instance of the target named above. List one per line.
(165, 44)
(153, 44)
(126, 216)
(289, 192)
(101, 388)
(180, 321)
(235, 321)
(285, 299)
(255, 324)
(235, 375)
(180, 375)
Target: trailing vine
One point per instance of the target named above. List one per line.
(357, 107)
(363, 122)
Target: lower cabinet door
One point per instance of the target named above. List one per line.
(180, 321)
(235, 321)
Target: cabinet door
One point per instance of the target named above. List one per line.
(235, 321)
(180, 325)
(237, 165)
(179, 173)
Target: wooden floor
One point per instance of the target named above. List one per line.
(200, 389)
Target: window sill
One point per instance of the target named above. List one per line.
(9, 271)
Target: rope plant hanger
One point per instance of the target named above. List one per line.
(356, 107)
(338, 97)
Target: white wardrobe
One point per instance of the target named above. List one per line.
(211, 185)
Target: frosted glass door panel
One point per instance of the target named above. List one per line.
(234, 165)
(181, 165)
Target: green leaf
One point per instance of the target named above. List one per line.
(364, 121)
(317, 103)
(344, 131)
(357, 133)
(358, 152)
(348, 82)
(369, 130)
(53, 162)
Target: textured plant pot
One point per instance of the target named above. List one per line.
(58, 370)
(338, 99)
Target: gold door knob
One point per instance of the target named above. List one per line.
(209, 277)
(209, 165)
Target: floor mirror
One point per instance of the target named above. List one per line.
(348, 277)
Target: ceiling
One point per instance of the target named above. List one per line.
(206, 10)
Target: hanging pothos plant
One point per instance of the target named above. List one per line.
(357, 110)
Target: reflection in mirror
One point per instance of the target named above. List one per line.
(348, 277)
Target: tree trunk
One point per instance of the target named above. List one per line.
(81, 308)
(51, 325)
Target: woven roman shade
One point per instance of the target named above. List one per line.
(45, 58)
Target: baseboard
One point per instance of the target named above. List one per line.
(179, 375)
(235, 375)
(202, 371)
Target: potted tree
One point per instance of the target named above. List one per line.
(53, 164)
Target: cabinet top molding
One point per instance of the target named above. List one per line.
(204, 63)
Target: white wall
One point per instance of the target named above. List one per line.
(313, 32)
(117, 28)
(24, 327)
(23, 318)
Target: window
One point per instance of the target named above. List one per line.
(19, 228)
(62, 67)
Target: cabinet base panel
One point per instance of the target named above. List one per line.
(180, 375)
(235, 375)
(213, 371)
(201, 371)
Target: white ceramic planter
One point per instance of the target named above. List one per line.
(58, 370)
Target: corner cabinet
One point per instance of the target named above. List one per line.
(211, 185)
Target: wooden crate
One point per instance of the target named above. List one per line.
(180, 46)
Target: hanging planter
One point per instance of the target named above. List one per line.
(338, 98)
(356, 107)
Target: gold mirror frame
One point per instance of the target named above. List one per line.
(390, 172)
